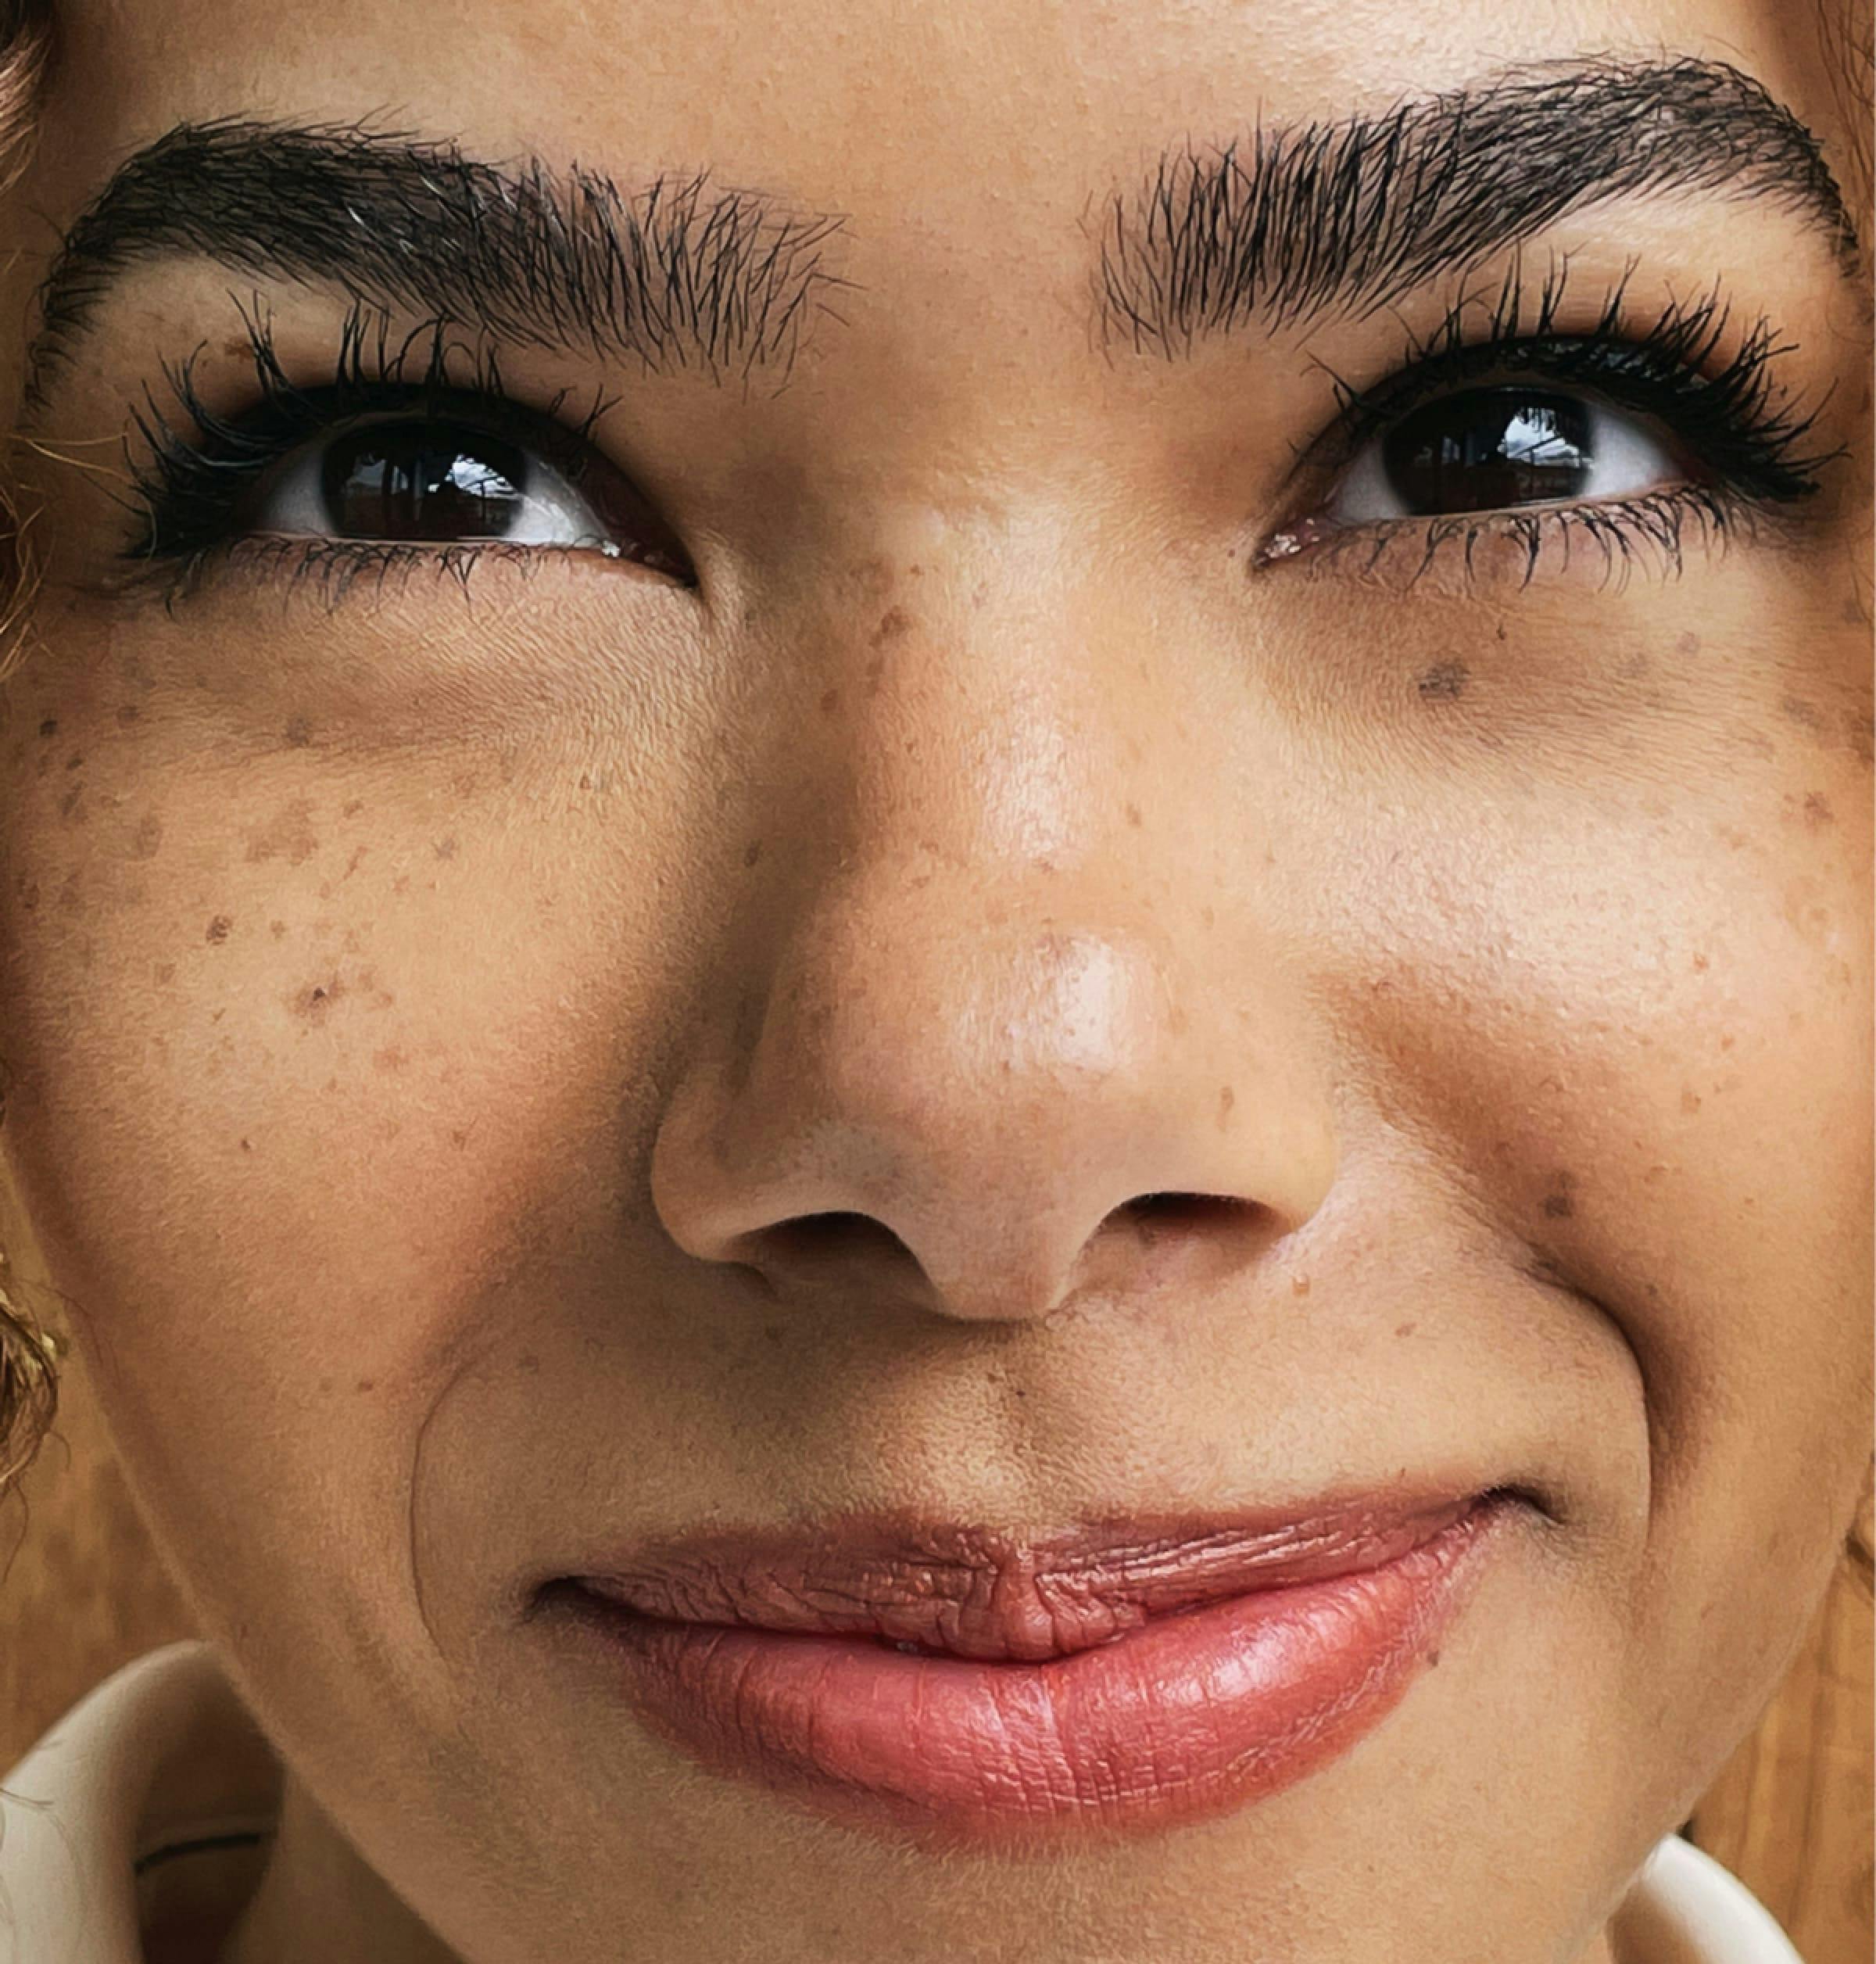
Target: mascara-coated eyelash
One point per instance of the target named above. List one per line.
(198, 494)
(1745, 435)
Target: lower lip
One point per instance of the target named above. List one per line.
(1185, 1719)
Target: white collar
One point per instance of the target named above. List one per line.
(156, 1794)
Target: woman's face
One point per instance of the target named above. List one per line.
(640, 822)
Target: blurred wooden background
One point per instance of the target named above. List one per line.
(1792, 1815)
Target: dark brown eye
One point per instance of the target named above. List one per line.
(1494, 449)
(433, 480)
(1489, 448)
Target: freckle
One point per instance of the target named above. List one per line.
(1206, 915)
(1701, 964)
(289, 831)
(1690, 1099)
(166, 972)
(893, 623)
(352, 806)
(752, 853)
(459, 1137)
(367, 1384)
(1226, 1099)
(76, 759)
(585, 780)
(218, 928)
(49, 727)
(445, 848)
(276, 928)
(1433, 1657)
(1687, 643)
(400, 883)
(325, 1384)
(128, 713)
(390, 1058)
(1799, 710)
(1501, 633)
(1404, 1329)
(830, 702)
(1445, 680)
(1299, 1284)
(1133, 815)
(528, 1361)
(148, 836)
(299, 732)
(1817, 811)
(313, 1001)
(247, 1145)
(1726, 1043)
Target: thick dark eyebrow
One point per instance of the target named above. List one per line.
(1353, 216)
(678, 275)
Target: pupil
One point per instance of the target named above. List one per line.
(1489, 448)
(430, 481)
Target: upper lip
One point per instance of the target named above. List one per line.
(988, 1594)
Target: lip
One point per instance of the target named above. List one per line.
(1097, 1681)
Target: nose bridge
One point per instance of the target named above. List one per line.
(992, 1007)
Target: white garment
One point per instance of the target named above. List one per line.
(155, 1797)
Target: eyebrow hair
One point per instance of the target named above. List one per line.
(1355, 214)
(675, 276)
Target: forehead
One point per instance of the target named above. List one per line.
(965, 134)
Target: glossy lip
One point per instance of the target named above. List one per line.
(1098, 1681)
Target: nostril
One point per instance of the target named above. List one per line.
(1186, 1209)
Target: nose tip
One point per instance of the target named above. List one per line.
(987, 1124)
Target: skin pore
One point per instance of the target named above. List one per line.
(511, 1053)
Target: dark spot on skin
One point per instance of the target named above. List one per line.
(246, 1146)
(351, 806)
(289, 832)
(1853, 615)
(830, 702)
(1690, 1099)
(1299, 1284)
(29, 896)
(1445, 679)
(129, 713)
(459, 1137)
(1687, 643)
(1817, 811)
(276, 928)
(585, 780)
(390, 1058)
(1405, 1329)
(874, 669)
(298, 733)
(528, 1362)
(1799, 710)
(149, 836)
(1432, 1657)
(1702, 962)
(445, 848)
(893, 623)
(1207, 916)
(400, 883)
(76, 759)
(218, 927)
(166, 972)
(1226, 1099)
(1133, 815)
(752, 853)
(774, 1332)
(367, 1384)
(49, 727)
(1501, 633)
(1560, 1207)
(69, 805)
(313, 1001)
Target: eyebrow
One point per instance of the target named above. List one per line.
(1354, 215)
(678, 275)
(1351, 215)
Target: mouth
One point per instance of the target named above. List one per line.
(977, 1689)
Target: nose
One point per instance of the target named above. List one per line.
(979, 1079)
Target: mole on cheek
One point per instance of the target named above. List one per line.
(1444, 680)
(1557, 1203)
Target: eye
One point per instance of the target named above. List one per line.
(445, 480)
(1489, 449)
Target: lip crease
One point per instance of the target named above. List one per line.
(994, 1597)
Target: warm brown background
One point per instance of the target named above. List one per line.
(81, 1592)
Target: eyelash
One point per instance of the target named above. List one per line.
(1738, 423)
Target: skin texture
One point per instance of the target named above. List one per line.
(423, 1011)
